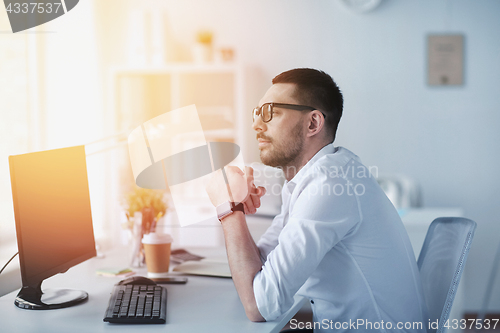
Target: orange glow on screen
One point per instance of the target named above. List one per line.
(52, 208)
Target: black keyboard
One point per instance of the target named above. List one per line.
(137, 304)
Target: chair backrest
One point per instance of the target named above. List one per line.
(441, 263)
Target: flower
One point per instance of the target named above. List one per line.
(204, 37)
(141, 198)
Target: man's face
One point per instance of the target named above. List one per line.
(281, 140)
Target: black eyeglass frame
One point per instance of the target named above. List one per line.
(280, 105)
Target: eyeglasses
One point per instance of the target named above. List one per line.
(267, 109)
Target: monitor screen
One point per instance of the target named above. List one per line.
(52, 211)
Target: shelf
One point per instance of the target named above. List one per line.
(171, 68)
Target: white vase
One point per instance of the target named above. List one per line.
(136, 254)
(202, 53)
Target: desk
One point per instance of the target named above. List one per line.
(204, 304)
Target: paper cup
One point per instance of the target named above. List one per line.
(157, 250)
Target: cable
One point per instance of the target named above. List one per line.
(1, 270)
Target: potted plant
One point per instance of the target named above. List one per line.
(202, 50)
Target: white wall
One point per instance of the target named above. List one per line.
(445, 137)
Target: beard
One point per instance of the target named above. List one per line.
(283, 153)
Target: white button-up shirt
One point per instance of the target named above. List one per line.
(340, 242)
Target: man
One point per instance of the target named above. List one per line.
(338, 240)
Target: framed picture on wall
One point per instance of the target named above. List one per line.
(445, 57)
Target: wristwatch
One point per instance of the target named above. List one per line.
(227, 208)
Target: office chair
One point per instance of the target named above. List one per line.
(441, 264)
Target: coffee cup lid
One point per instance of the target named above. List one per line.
(156, 238)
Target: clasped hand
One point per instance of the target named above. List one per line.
(240, 187)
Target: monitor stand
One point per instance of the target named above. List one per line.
(33, 298)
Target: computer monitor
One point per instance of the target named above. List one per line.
(53, 222)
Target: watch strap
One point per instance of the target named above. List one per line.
(227, 208)
(237, 207)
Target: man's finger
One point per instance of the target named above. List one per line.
(261, 191)
(249, 208)
(249, 175)
(249, 171)
(237, 183)
(255, 200)
(251, 203)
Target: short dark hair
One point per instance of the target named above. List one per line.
(317, 89)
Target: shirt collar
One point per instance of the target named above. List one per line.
(328, 149)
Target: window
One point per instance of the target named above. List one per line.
(14, 116)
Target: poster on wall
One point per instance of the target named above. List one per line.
(445, 59)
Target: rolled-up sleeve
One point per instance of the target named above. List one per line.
(269, 240)
(308, 235)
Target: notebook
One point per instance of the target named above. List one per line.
(207, 267)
